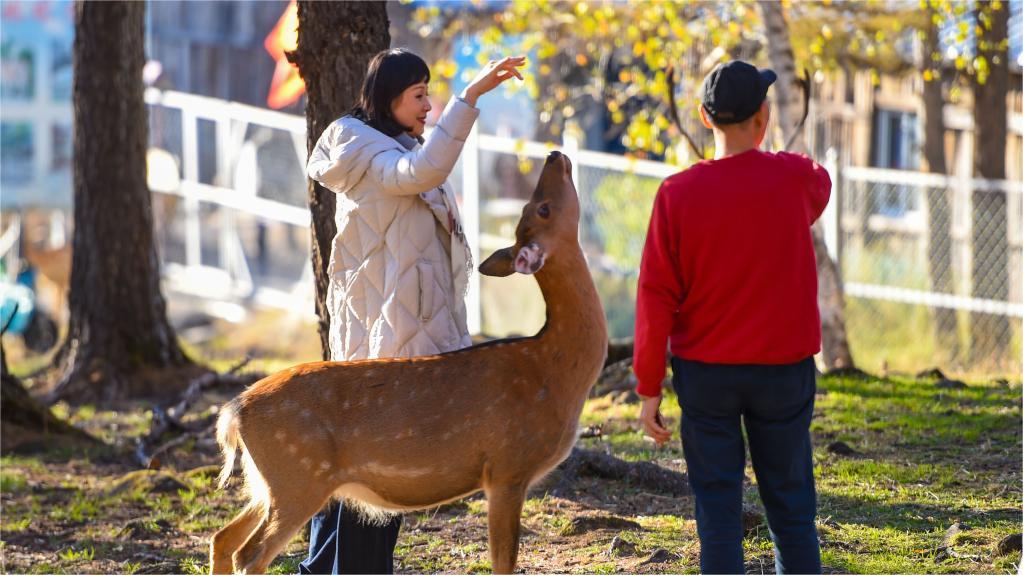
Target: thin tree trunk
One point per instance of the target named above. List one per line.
(834, 344)
(991, 333)
(336, 41)
(939, 224)
(118, 333)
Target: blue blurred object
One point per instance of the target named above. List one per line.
(20, 316)
(17, 304)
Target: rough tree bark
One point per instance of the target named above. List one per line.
(835, 344)
(990, 333)
(336, 41)
(28, 425)
(939, 213)
(119, 344)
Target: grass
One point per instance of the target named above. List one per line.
(927, 458)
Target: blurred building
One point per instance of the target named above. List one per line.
(35, 103)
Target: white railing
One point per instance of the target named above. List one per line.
(231, 280)
(959, 191)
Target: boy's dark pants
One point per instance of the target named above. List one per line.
(339, 542)
(776, 403)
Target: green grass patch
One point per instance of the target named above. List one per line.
(11, 482)
(72, 555)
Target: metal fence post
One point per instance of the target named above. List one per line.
(829, 219)
(190, 161)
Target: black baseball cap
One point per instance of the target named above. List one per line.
(733, 91)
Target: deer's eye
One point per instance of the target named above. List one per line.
(544, 211)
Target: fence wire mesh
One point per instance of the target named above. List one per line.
(932, 275)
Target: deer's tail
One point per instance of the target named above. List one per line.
(229, 439)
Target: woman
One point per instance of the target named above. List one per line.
(399, 263)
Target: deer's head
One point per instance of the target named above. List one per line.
(549, 223)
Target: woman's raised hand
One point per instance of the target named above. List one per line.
(491, 76)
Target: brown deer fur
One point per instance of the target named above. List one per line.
(404, 434)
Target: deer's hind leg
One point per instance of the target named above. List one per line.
(226, 541)
(504, 517)
(282, 521)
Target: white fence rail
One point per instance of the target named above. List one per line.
(240, 173)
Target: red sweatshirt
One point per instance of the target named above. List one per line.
(728, 269)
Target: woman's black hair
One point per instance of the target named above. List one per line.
(390, 73)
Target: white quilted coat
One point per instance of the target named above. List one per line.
(398, 267)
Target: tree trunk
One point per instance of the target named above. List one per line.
(118, 332)
(336, 41)
(835, 344)
(990, 332)
(939, 213)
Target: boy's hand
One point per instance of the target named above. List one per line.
(650, 417)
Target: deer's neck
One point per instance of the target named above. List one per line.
(576, 331)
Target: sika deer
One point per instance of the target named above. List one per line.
(400, 434)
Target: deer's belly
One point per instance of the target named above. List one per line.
(391, 500)
(407, 486)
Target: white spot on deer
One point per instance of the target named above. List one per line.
(380, 400)
(292, 449)
(306, 414)
(451, 401)
(396, 470)
(355, 432)
(446, 436)
(370, 373)
(346, 404)
(279, 435)
(324, 465)
(306, 462)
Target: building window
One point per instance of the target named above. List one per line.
(16, 152)
(17, 79)
(897, 147)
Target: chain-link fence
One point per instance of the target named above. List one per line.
(933, 269)
(616, 195)
(932, 266)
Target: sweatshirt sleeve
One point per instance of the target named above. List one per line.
(658, 299)
(818, 185)
(412, 172)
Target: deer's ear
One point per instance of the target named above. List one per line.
(500, 263)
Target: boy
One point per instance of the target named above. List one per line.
(729, 274)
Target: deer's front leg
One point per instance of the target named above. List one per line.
(503, 519)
